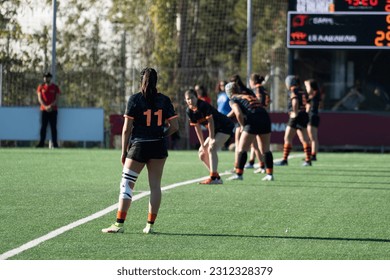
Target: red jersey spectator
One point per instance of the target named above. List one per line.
(202, 93)
(48, 96)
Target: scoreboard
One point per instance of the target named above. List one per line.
(345, 24)
(362, 5)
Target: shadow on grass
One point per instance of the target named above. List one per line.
(275, 237)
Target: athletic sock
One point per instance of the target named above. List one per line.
(151, 218)
(286, 151)
(214, 175)
(242, 158)
(269, 162)
(307, 150)
(121, 217)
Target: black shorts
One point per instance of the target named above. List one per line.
(258, 123)
(314, 120)
(227, 128)
(300, 121)
(144, 151)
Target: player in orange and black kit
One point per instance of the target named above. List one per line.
(237, 133)
(297, 123)
(143, 143)
(314, 100)
(219, 126)
(262, 94)
(255, 124)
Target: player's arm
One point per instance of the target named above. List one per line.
(126, 133)
(295, 105)
(199, 133)
(211, 126)
(239, 115)
(230, 114)
(173, 126)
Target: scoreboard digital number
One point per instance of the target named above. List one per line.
(362, 5)
(339, 30)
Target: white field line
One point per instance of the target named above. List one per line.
(94, 216)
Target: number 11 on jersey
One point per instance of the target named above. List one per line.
(148, 114)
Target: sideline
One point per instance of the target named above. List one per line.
(82, 221)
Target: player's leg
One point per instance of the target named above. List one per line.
(246, 140)
(213, 148)
(264, 142)
(155, 171)
(237, 136)
(259, 155)
(288, 138)
(305, 140)
(204, 155)
(251, 161)
(313, 134)
(130, 172)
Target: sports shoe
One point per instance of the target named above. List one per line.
(249, 166)
(210, 181)
(148, 229)
(307, 163)
(259, 170)
(281, 163)
(268, 177)
(235, 177)
(113, 229)
(233, 170)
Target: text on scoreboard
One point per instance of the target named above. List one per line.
(342, 30)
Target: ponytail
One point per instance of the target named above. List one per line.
(148, 84)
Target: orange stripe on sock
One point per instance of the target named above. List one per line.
(121, 215)
(286, 151)
(307, 150)
(269, 171)
(151, 217)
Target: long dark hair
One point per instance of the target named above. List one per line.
(148, 84)
(237, 79)
(257, 79)
(314, 84)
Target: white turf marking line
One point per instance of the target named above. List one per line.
(94, 216)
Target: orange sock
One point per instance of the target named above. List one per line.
(286, 151)
(239, 171)
(307, 150)
(121, 216)
(214, 175)
(151, 218)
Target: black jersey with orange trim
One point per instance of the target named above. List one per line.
(149, 119)
(314, 100)
(300, 95)
(263, 95)
(248, 104)
(257, 120)
(204, 111)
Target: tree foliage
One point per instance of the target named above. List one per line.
(102, 45)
